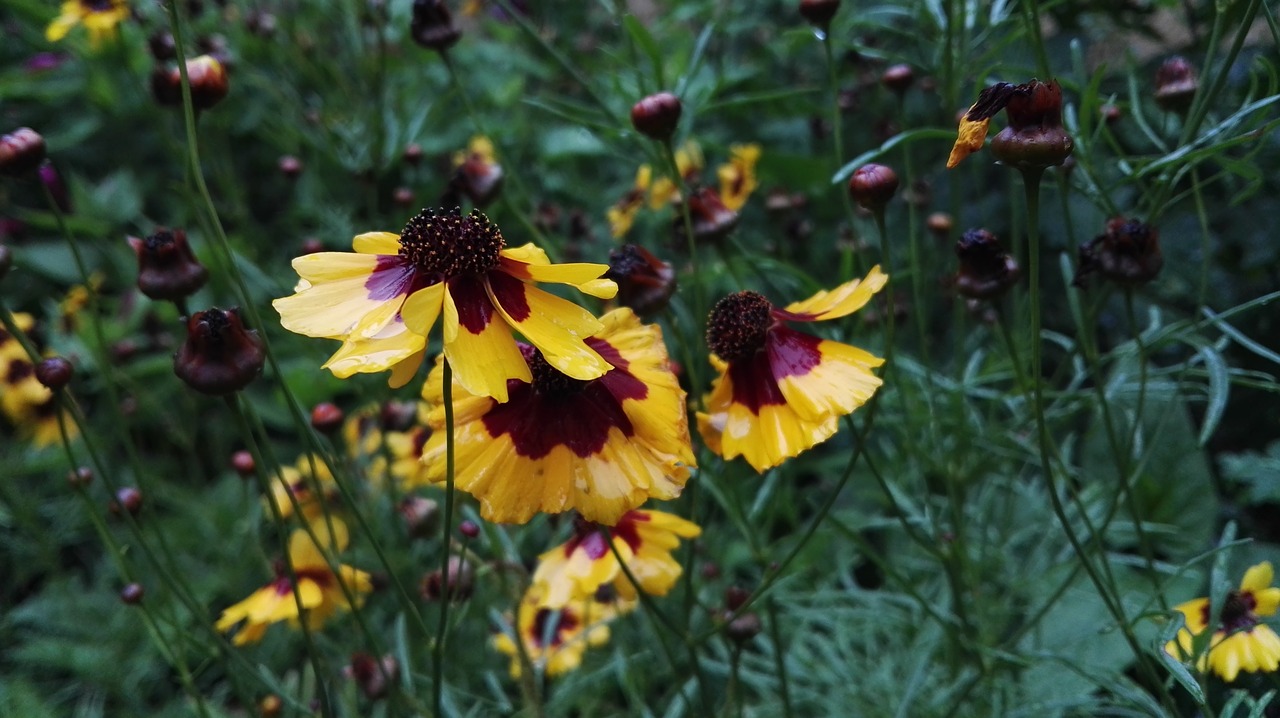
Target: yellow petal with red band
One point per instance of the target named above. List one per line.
(337, 298)
(477, 342)
(821, 378)
(839, 302)
(557, 327)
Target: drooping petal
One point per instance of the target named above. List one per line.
(970, 137)
(343, 289)
(392, 348)
(584, 276)
(477, 343)
(839, 302)
(422, 308)
(557, 327)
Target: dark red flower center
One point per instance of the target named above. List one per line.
(592, 538)
(449, 244)
(1237, 611)
(97, 5)
(551, 624)
(18, 370)
(548, 380)
(738, 325)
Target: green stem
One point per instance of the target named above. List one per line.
(437, 650)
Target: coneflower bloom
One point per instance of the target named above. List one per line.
(99, 17)
(576, 569)
(29, 405)
(623, 214)
(318, 587)
(689, 163)
(1240, 642)
(780, 392)
(601, 446)
(554, 640)
(383, 300)
(301, 480)
(738, 176)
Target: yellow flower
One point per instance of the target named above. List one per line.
(384, 299)
(99, 17)
(554, 640)
(576, 570)
(689, 163)
(781, 392)
(738, 177)
(301, 481)
(406, 449)
(602, 446)
(477, 173)
(478, 148)
(1241, 642)
(623, 214)
(25, 402)
(318, 587)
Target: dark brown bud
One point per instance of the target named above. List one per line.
(208, 77)
(432, 26)
(243, 463)
(290, 166)
(986, 270)
(743, 628)
(898, 78)
(21, 151)
(161, 45)
(167, 268)
(458, 586)
(645, 283)
(1035, 137)
(1127, 253)
(469, 529)
(1176, 84)
(373, 676)
(219, 355)
(939, 224)
(403, 196)
(819, 12)
(54, 372)
(326, 417)
(735, 597)
(413, 154)
(872, 186)
(127, 499)
(710, 570)
(80, 478)
(132, 594)
(656, 116)
(711, 219)
(397, 415)
(479, 179)
(419, 515)
(6, 260)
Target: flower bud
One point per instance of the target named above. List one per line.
(161, 45)
(469, 529)
(21, 151)
(1127, 253)
(419, 515)
(479, 179)
(743, 628)
(458, 587)
(432, 26)
(219, 355)
(656, 116)
(326, 418)
(132, 594)
(986, 270)
(939, 224)
(819, 12)
(872, 186)
(1034, 137)
(898, 78)
(1111, 114)
(208, 78)
(271, 706)
(243, 463)
(127, 499)
(52, 181)
(397, 415)
(711, 219)
(167, 268)
(645, 283)
(373, 676)
(1176, 84)
(290, 166)
(413, 154)
(311, 245)
(80, 478)
(403, 196)
(54, 372)
(735, 597)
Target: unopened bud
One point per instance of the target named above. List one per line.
(127, 499)
(413, 154)
(432, 25)
(735, 597)
(326, 418)
(219, 355)
(419, 515)
(54, 372)
(645, 283)
(819, 12)
(1127, 253)
(457, 587)
(898, 78)
(872, 186)
(21, 151)
(743, 628)
(1176, 84)
(80, 478)
(290, 166)
(656, 116)
(373, 676)
(243, 463)
(167, 268)
(132, 594)
(469, 529)
(986, 269)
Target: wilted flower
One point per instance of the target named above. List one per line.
(645, 283)
(554, 640)
(167, 268)
(219, 355)
(1127, 253)
(1034, 137)
(986, 269)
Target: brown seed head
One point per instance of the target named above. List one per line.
(432, 25)
(449, 244)
(986, 269)
(739, 325)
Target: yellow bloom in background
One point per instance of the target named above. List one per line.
(318, 587)
(479, 148)
(1241, 642)
(623, 214)
(738, 177)
(780, 392)
(406, 449)
(383, 300)
(554, 640)
(301, 481)
(689, 164)
(25, 402)
(578, 568)
(602, 446)
(99, 17)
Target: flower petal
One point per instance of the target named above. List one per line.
(821, 378)
(970, 137)
(1257, 577)
(392, 348)
(422, 308)
(481, 350)
(338, 296)
(841, 301)
(376, 243)
(557, 327)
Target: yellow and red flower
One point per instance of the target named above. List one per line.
(26, 403)
(319, 589)
(384, 299)
(602, 446)
(1240, 642)
(302, 481)
(99, 17)
(689, 164)
(738, 177)
(554, 640)
(578, 568)
(780, 392)
(623, 214)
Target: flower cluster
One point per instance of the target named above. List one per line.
(716, 211)
(1240, 641)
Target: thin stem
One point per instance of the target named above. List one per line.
(437, 650)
